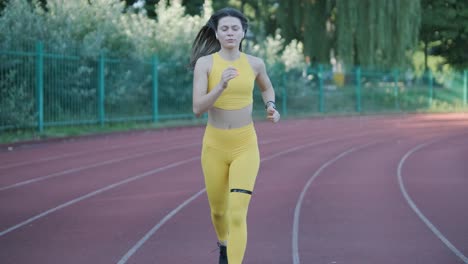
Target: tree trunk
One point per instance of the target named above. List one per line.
(316, 37)
(425, 56)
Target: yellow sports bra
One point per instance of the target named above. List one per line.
(238, 93)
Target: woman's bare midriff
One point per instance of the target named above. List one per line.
(229, 119)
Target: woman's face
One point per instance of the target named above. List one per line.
(230, 32)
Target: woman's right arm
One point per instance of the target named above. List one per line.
(202, 100)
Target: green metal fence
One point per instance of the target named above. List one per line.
(323, 90)
(40, 89)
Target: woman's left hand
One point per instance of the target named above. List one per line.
(273, 115)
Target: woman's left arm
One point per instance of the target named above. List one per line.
(268, 93)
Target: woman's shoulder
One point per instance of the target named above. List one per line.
(253, 58)
(255, 62)
(204, 62)
(205, 59)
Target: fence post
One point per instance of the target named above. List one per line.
(155, 74)
(40, 85)
(465, 87)
(396, 93)
(101, 88)
(285, 95)
(320, 77)
(431, 88)
(358, 89)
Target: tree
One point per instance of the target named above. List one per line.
(309, 22)
(377, 32)
(2, 4)
(146, 5)
(192, 7)
(444, 31)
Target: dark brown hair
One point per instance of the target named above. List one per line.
(206, 43)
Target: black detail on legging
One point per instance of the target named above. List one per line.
(241, 191)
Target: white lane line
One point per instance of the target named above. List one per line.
(80, 153)
(78, 169)
(297, 210)
(75, 154)
(416, 209)
(99, 191)
(98, 164)
(153, 230)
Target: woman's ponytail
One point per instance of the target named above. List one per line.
(205, 43)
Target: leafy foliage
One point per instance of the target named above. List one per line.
(308, 22)
(283, 32)
(377, 32)
(444, 30)
(17, 106)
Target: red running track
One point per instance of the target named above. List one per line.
(369, 189)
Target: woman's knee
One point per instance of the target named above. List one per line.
(218, 214)
(239, 203)
(238, 218)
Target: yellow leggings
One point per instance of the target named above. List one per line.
(230, 161)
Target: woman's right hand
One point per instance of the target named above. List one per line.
(228, 74)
